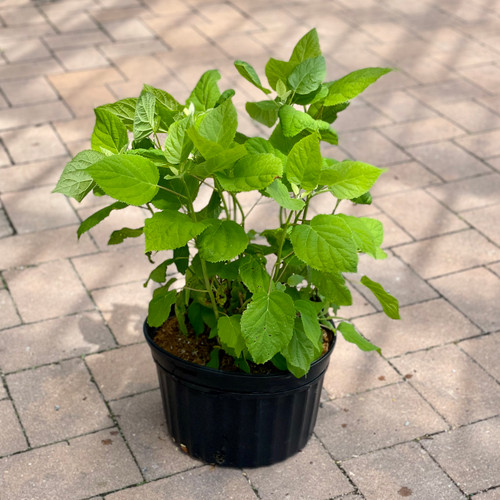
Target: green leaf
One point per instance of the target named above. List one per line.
(195, 311)
(206, 92)
(144, 119)
(277, 70)
(178, 144)
(212, 209)
(307, 48)
(221, 161)
(351, 85)
(279, 193)
(124, 109)
(294, 121)
(248, 73)
(310, 322)
(127, 178)
(352, 335)
(120, 235)
(229, 331)
(389, 304)
(349, 179)
(159, 273)
(160, 305)
(326, 244)
(98, 216)
(294, 280)
(329, 135)
(300, 352)
(219, 124)
(254, 274)
(332, 286)
(169, 230)
(251, 172)
(267, 324)
(368, 234)
(282, 143)
(181, 259)
(155, 155)
(222, 240)
(110, 134)
(75, 181)
(166, 107)
(265, 112)
(308, 75)
(304, 163)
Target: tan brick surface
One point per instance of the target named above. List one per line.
(434, 123)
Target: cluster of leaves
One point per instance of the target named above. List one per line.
(266, 297)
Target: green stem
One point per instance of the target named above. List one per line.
(336, 206)
(240, 208)
(280, 249)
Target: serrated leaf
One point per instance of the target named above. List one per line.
(307, 47)
(304, 163)
(279, 193)
(332, 286)
(178, 144)
(221, 161)
(254, 274)
(310, 323)
(109, 134)
(98, 216)
(206, 92)
(155, 155)
(229, 332)
(124, 109)
(265, 112)
(368, 234)
(277, 70)
(75, 181)
(169, 230)
(326, 244)
(294, 121)
(350, 334)
(389, 304)
(144, 119)
(127, 178)
(122, 234)
(222, 240)
(251, 172)
(349, 179)
(308, 75)
(267, 324)
(167, 107)
(300, 352)
(249, 73)
(351, 85)
(160, 306)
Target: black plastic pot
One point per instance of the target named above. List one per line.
(236, 419)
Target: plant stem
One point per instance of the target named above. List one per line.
(240, 208)
(280, 249)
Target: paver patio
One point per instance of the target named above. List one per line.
(80, 411)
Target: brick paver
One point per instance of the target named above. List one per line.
(420, 421)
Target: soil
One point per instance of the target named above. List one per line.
(197, 348)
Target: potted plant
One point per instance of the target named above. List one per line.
(248, 320)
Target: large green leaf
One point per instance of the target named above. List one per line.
(326, 244)
(75, 181)
(310, 322)
(254, 274)
(170, 229)
(229, 332)
(127, 178)
(219, 124)
(221, 161)
(279, 193)
(206, 92)
(351, 85)
(332, 286)
(166, 107)
(267, 324)
(248, 73)
(300, 352)
(222, 240)
(390, 304)
(99, 216)
(367, 233)
(251, 172)
(294, 121)
(307, 48)
(110, 134)
(349, 179)
(144, 119)
(265, 112)
(277, 70)
(124, 109)
(178, 144)
(308, 75)
(304, 163)
(160, 306)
